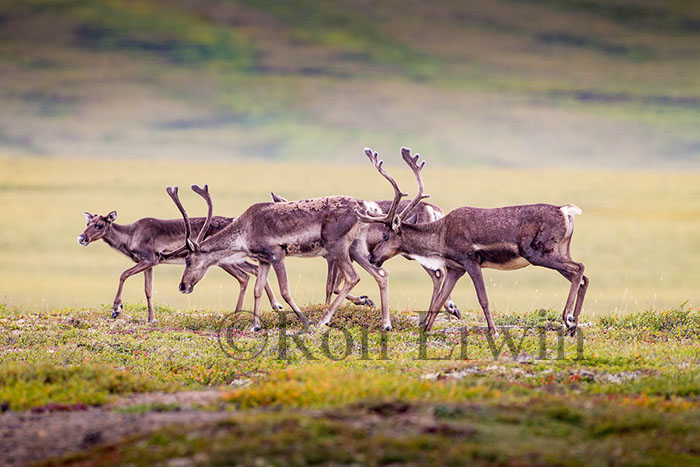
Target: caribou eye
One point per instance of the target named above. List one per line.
(100, 226)
(188, 261)
(385, 237)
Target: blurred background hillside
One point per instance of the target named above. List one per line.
(565, 83)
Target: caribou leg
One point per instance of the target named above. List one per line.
(242, 278)
(139, 267)
(260, 281)
(360, 255)
(332, 280)
(253, 270)
(281, 271)
(474, 271)
(437, 275)
(148, 288)
(337, 285)
(573, 271)
(449, 282)
(579, 303)
(573, 325)
(350, 280)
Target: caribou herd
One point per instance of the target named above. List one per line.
(346, 230)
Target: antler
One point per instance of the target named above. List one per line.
(204, 193)
(412, 162)
(398, 194)
(189, 245)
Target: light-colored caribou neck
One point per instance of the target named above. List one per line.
(118, 236)
(224, 242)
(422, 239)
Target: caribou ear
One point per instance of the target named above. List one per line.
(111, 216)
(88, 216)
(278, 199)
(396, 224)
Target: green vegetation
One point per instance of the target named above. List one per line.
(596, 405)
(583, 83)
(252, 96)
(26, 385)
(550, 431)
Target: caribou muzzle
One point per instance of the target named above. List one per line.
(372, 259)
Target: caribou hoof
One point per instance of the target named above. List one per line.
(570, 323)
(365, 300)
(387, 327)
(117, 310)
(277, 307)
(453, 310)
(254, 328)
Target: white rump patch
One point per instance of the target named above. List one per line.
(569, 211)
(434, 263)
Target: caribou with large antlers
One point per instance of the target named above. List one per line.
(269, 232)
(141, 242)
(469, 239)
(422, 212)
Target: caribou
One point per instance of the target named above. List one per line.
(422, 212)
(468, 239)
(269, 232)
(142, 240)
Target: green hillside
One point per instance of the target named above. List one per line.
(590, 83)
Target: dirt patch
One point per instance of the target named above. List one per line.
(27, 437)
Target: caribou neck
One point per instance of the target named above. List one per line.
(226, 239)
(118, 237)
(422, 239)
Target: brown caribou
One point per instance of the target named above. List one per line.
(269, 232)
(422, 212)
(468, 239)
(142, 240)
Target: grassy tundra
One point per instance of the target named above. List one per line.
(635, 376)
(629, 394)
(567, 101)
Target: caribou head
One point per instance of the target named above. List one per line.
(97, 227)
(196, 263)
(390, 245)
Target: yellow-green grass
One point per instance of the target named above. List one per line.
(75, 356)
(639, 234)
(630, 396)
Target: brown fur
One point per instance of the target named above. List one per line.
(469, 239)
(269, 232)
(142, 240)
